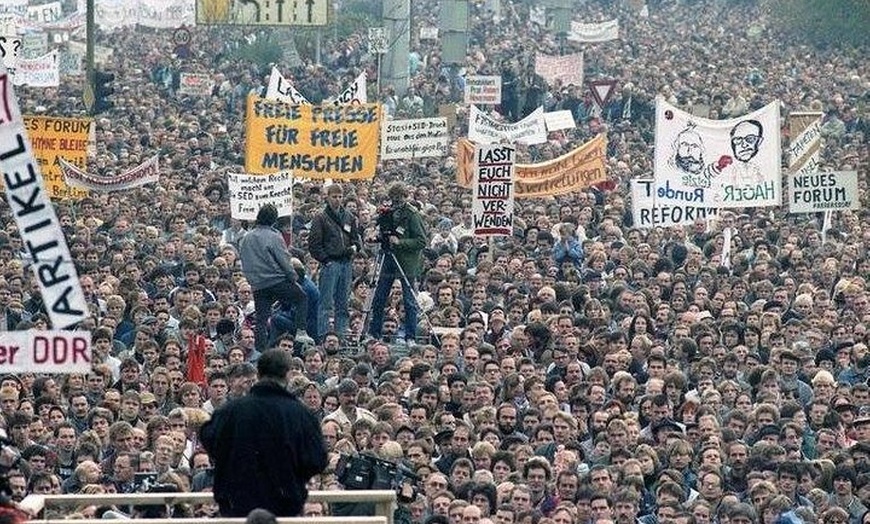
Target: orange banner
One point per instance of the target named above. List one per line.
(572, 171)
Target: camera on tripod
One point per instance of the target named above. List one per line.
(364, 471)
(385, 220)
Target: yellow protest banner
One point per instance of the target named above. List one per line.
(338, 142)
(572, 171)
(53, 138)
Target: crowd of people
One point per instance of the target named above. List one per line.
(582, 370)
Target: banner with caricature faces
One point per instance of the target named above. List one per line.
(724, 164)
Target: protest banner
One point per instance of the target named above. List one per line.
(825, 191)
(653, 206)
(339, 142)
(39, 15)
(166, 14)
(195, 84)
(34, 44)
(145, 173)
(578, 169)
(10, 48)
(558, 120)
(804, 148)
(567, 68)
(600, 32)
(417, 138)
(43, 239)
(355, 93)
(110, 15)
(736, 160)
(483, 89)
(55, 138)
(50, 352)
(248, 193)
(13, 9)
(378, 41)
(483, 129)
(428, 33)
(70, 63)
(39, 72)
(280, 89)
(492, 209)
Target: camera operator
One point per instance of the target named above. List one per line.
(403, 240)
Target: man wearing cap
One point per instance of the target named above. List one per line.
(266, 446)
(404, 244)
(268, 270)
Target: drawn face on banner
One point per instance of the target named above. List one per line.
(746, 138)
(690, 152)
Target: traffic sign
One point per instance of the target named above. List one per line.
(261, 12)
(181, 36)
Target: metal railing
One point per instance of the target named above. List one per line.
(383, 500)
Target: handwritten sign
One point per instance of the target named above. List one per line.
(248, 193)
(492, 209)
(55, 138)
(145, 173)
(484, 129)
(421, 137)
(567, 69)
(39, 72)
(483, 90)
(660, 206)
(831, 190)
(339, 142)
(195, 84)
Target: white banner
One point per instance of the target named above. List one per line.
(653, 206)
(567, 68)
(167, 14)
(248, 193)
(50, 352)
(280, 89)
(39, 72)
(39, 15)
(41, 235)
(558, 120)
(482, 89)
(114, 14)
(421, 137)
(34, 44)
(492, 209)
(353, 94)
(145, 173)
(827, 191)
(18, 8)
(195, 84)
(428, 33)
(483, 129)
(736, 160)
(11, 46)
(601, 32)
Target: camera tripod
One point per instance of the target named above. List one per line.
(376, 278)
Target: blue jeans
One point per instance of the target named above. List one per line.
(291, 297)
(282, 320)
(389, 273)
(334, 280)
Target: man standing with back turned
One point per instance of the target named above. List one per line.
(266, 445)
(267, 268)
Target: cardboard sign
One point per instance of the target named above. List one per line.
(653, 206)
(492, 209)
(54, 138)
(339, 142)
(483, 90)
(804, 150)
(378, 41)
(421, 137)
(826, 191)
(558, 120)
(195, 84)
(41, 235)
(248, 193)
(52, 352)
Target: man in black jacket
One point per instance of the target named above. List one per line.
(333, 240)
(265, 446)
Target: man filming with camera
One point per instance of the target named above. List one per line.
(403, 238)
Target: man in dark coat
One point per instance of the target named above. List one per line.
(265, 446)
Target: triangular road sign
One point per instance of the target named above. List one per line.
(601, 91)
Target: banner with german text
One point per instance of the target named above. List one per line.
(338, 142)
(736, 161)
(600, 32)
(566, 68)
(145, 173)
(53, 139)
(484, 129)
(572, 171)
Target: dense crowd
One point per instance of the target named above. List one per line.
(582, 370)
